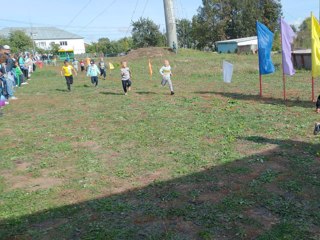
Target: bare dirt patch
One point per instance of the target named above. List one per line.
(151, 52)
(91, 145)
(30, 183)
(22, 166)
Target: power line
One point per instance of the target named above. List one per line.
(144, 8)
(67, 25)
(134, 11)
(98, 15)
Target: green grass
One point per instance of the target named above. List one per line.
(214, 161)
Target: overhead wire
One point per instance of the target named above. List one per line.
(144, 8)
(98, 15)
(78, 13)
(134, 11)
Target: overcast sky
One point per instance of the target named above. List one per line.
(93, 19)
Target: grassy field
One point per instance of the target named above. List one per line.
(214, 161)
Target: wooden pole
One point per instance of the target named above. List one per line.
(284, 87)
(260, 80)
(312, 95)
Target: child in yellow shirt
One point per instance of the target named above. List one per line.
(66, 71)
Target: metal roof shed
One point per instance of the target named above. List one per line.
(232, 45)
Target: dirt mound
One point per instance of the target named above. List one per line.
(151, 52)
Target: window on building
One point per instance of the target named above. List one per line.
(63, 43)
(42, 44)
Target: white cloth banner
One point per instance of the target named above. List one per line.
(227, 72)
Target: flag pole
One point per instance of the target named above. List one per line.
(312, 55)
(260, 80)
(283, 74)
(312, 89)
(284, 87)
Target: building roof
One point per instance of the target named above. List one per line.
(42, 33)
(238, 40)
(250, 42)
(302, 51)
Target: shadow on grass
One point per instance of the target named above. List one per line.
(111, 93)
(62, 90)
(145, 93)
(266, 100)
(272, 194)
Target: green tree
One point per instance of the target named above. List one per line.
(227, 19)
(19, 41)
(303, 39)
(54, 48)
(184, 32)
(146, 33)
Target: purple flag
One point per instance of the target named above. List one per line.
(287, 37)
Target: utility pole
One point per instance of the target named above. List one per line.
(172, 39)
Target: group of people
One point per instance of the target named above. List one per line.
(15, 70)
(93, 71)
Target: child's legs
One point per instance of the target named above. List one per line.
(68, 82)
(124, 85)
(170, 84)
(71, 79)
(25, 72)
(96, 80)
(164, 81)
(92, 80)
(18, 81)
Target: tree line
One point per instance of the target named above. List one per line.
(215, 20)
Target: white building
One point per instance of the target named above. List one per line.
(44, 36)
(240, 45)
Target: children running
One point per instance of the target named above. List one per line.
(82, 65)
(125, 77)
(102, 66)
(166, 73)
(93, 72)
(66, 71)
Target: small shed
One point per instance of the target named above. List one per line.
(239, 45)
(302, 59)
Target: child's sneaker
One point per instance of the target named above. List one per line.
(172, 93)
(316, 128)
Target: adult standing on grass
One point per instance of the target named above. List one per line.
(9, 74)
(166, 74)
(125, 77)
(66, 71)
(93, 72)
(28, 65)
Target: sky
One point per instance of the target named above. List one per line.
(93, 19)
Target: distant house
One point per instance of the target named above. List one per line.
(302, 59)
(240, 45)
(44, 36)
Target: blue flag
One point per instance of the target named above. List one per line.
(265, 40)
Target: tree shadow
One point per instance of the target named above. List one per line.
(266, 100)
(271, 194)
